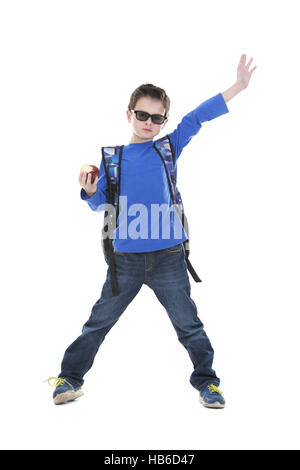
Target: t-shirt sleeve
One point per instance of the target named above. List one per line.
(98, 201)
(192, 122)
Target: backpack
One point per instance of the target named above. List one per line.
(112, 157)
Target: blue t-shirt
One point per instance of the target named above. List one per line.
(145, 222)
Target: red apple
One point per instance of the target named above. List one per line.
(91, 169)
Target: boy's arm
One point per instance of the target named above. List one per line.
(192, 122)
(101, 195)
(210, 109)
(232, 91)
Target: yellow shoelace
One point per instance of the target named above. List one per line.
(58, 381)
(213, 388)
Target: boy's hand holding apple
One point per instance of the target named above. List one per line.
(88, 178)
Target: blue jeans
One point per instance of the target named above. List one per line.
(165, 272)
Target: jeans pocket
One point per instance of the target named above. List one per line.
(175, 249)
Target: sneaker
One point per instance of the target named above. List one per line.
(65, 390)
(211, 397)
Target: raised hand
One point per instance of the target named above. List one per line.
(243, 72)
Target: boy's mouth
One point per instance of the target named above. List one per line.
(148, 130)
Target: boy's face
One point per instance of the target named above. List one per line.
(151, 106)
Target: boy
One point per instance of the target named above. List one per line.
(156, 261)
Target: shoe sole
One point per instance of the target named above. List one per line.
(67, 396)
(216, 404)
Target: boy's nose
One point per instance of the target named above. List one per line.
(149, 122)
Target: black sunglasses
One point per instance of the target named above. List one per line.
(143, 116)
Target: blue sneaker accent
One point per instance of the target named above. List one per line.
(65, 389)
(211, 397)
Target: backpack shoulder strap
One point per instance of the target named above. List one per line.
(165, 149)
(111, 157)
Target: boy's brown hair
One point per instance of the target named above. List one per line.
(147, 89)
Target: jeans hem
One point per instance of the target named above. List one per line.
(207, 382)
(67, 376)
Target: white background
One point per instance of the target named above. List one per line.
(68, 69)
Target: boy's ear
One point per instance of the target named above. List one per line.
(128, 114)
